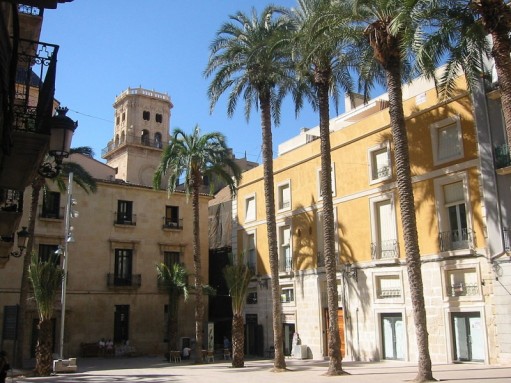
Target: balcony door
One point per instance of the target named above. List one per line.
(385, 230)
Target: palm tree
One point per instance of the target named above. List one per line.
(383, 57)
(46, 278)
(321, 61)
(237, 277)
(196, 156)
(248, 57)
(457, 36)
(87, 183)
(174, 279)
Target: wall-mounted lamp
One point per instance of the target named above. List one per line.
(23, 236)
(62, 129)
(262, 282)
(350, 271)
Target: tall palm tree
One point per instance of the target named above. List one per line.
(383, 57)
(196, 156)
(320, 54)
(46, 278)
(237, 277)
(248, 57)
(87, 183)
(456, 35)
(174, 279)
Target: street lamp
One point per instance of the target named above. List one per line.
(350, 271)
(62, 129)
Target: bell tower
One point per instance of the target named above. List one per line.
(141, 131)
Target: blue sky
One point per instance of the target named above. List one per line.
(107, 46)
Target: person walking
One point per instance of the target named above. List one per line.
(4, 366)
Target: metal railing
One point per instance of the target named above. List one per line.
(388, 249)
(389, 293)
(53, 213)
(463, 289)
(133, 280)
(130, 220)
(170, 223)
(134, 140)
(286, 264)
(455, 239)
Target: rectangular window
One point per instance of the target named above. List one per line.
(172, 217)
(379, 158)
(159, 118)
(146, 115)
(47, 252)
(446, 138)
(250, 209)
(284, 196)
(285, 256)
(287, 295)
(170, 258)
(252, 298)
(462, 282)
(125, 212)
(51, 205)
(123, 265)
(251, 255)
(388, 286)
(457, 237)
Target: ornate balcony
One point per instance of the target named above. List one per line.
(385, 250)
(169, 223)
(130, 281)
(456, 240)
(502, 159)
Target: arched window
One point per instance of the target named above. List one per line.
(157, 140)
(145, 137)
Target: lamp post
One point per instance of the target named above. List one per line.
(70, 213)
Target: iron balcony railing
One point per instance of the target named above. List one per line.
(388, 249)
(54, 213)
(502, 156)
(133, 140)
(389, 293)
(132, 280)
(455, 240)
(383, 172)
(34, 85)
(125, 219)
(507, 242)
(172, 223)
(463, 289)
(286, 264)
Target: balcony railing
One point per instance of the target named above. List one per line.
(114, 280)
(463, 289)
(502, 156)
(129, 220)
(389, 293)
(388, 249)
(11, 200)
(170, 223)
(286, 264)
(133, 140)
(455, 240)
(507, 242)
(53, 214)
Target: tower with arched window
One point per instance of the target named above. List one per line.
(141, 130)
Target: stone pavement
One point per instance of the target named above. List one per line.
(156, 370)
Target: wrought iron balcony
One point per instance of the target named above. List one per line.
(502, 156)
(53, 213)
(171, 223)
(125, 219)
(388, 249)
(286, 264)
(455, 240)
(133, 280)
(389, 293)
(463, 289)
(11, 210)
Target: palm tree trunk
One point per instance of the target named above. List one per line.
(37, 185)
(334, 341)
(44, 356)
(238, 340)
(267, 142)
(408, 219)
(199, 304)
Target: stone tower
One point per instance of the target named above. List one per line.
(141, 130)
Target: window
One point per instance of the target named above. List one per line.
(146, 115)
(384, 235)
(157, 140)
(250, 251)
(123, 116)
(172, 217)
(446, 140)
(159, 118)
(171, 258)
(117, 120)
(332, 178)
(285, 256)
(122, 269)
(388, 286)
(252, 297)
(287, 294)
(124, 212)
(462, 282)
(144, 138)
(284, 196)
(379, 160)
(51, 205)
(250, 208)
(47, 252)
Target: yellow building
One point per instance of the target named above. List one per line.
(375, 312)
(122, 232)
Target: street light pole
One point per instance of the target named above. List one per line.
(67, 236)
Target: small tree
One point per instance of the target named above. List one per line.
(46, 278)
(238, 277)
(174, 279)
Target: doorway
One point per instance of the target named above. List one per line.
(392, 336)
(340, 324)
(289, 331)
(468, 341)
(121, 323)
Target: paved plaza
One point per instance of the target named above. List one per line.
(156, 370)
